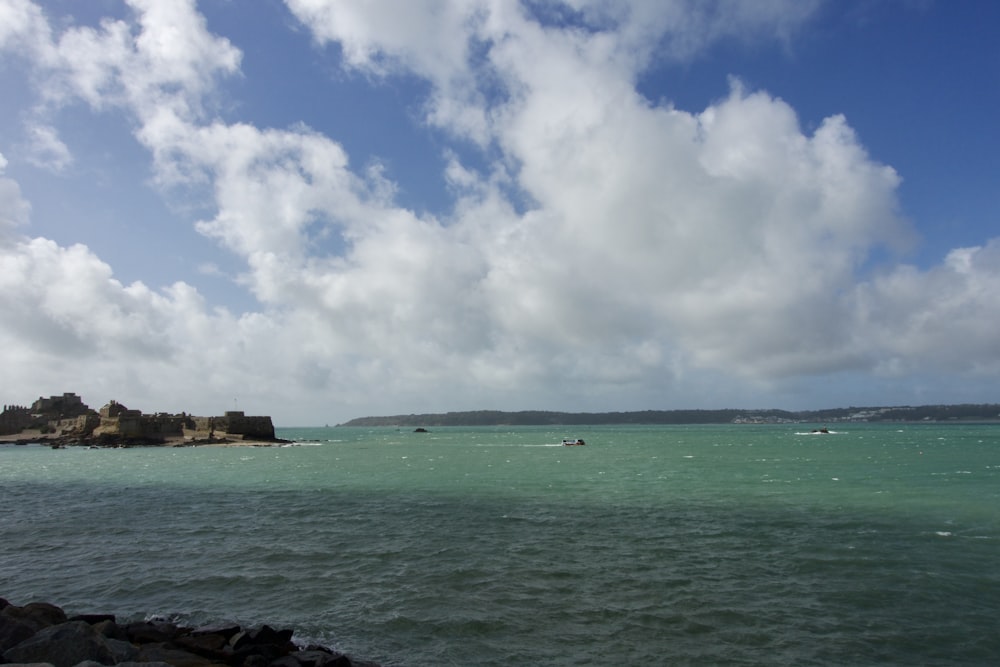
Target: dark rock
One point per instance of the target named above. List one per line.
(93, 619)
(171, 655)
(320, 659)
(122, 651)
(13, 632)
(111, 630)
(264, 642)
(284, 661)
(37, 615)
(212, 646)
(265, 634)
(227, 630)
(39, 635)
(144, 632)
(62, 645)
(21, 623)
(269, 652)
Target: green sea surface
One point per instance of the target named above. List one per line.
(680, 545)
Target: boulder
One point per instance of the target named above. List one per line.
(20, 623)
(259, 636)
(62, 645)
(146, 632)
(39, 635)
(172, 656)
(207, 645)
(227, 630)
(93, 619)
(111, 630)
(13, 632)
(122, 651)
(35, 614)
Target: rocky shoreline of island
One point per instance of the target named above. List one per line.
(41, 633)
(124, 442)
(65, 420)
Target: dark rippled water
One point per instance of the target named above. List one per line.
(734, 545)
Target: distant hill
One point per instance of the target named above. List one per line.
(965, 412)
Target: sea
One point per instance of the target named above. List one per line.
(875, 544)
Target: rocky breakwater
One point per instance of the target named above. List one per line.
(40, 633)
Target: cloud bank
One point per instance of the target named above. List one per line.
(602, 252)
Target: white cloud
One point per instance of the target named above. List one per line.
(166, 58)
(22, 25)
(663, 252)
(431, 39)
(46, 150)
(14, 210)
(945, 319)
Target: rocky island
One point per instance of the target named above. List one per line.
(66, 420)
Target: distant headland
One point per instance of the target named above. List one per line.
(67, 420)
(985, 412)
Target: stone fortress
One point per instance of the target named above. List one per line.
(68, 419)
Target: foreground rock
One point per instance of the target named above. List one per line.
(40, 633)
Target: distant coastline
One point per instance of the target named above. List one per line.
(967, 412)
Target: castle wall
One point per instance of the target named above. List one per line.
(163, 425)
(68, 415)
(60, 407)
(253, 427)
(14, 419)
(202, 423)
(236, 423)
(134, 424)
(82, 425)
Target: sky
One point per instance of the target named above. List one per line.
(328, 209)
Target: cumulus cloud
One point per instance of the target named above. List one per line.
(46, 149)
(651, 252)
(14, 210)
(165, 57)
(944, 319)
(22, 25)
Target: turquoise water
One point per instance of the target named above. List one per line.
(698, 545)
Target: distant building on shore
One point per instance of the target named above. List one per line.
(68, 416)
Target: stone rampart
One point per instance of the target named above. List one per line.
(236, 423)
(60, 407)
(249, 427)
(118, 420)
(82, 425)
(67, 417)
(14, 419)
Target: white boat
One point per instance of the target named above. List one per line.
(573, 441)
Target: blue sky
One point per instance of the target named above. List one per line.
(323, 210)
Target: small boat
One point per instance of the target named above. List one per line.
(569, 442)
